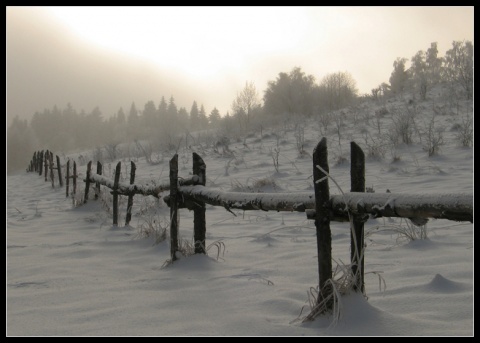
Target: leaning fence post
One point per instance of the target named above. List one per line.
(67, 178)
(74, 178)
(87, 181)
(40, 163)
(322, 221)
(173, 207)
(357, 178)
(34, 160)
(115, 193)
(60, 181)
(46, 156)
(51, 169)
(130, 196)
(199, 223)
(97, 184)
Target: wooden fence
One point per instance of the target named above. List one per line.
(355, 207)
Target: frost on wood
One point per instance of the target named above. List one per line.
(251, 201)
(143, 189)
(458, 207)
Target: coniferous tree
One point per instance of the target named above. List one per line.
(149, 117)
(172, 119)
(133, 123)
(20, 145)
(162, 111)
(202, 118)
(182, 118)
(194, 122)
(214, 117)
(121, 120)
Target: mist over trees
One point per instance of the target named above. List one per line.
(295, 93)
(290, 94)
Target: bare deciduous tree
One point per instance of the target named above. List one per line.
(246, 102)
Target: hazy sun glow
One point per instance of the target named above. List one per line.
(112, 56)
(202, 43)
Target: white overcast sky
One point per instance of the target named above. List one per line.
(113, 56)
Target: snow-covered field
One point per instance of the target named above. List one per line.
(71, 273)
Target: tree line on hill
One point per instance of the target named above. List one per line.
(290, 94)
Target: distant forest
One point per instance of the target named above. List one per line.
(291, 94)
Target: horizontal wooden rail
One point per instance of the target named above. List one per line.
(457, 207)
(146, 189)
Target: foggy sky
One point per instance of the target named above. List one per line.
(48, 65)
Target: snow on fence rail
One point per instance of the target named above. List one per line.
(356, 206)
(406, 205)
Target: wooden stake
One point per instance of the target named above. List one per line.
(322, 221)
(47, 155)
(115, 193)
(50, 158)
(199, 222)
(357, 178)
(87, 181)
(97, 184)
(67, 178)
(60, 180)
(74, 178)
(173, 207)
(130, 197)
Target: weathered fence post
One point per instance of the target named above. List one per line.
(87, 181)
(74, 176)
(67, 178)
(34, 162)
(130, 196)
(60, 181)
(40, 163)
(173, 207)
(199, 223)
(46, 156)
(115, 193)
(51, 169)
(322, 221)
(357, 178)
(97, 184)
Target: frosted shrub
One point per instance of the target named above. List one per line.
(300, 140)
(376, 147)
(324, 121)
(433, 137)
(465, 132)
(403, 125)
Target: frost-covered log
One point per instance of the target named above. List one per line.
(143, 189)
(250, 201)
(458, 207)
